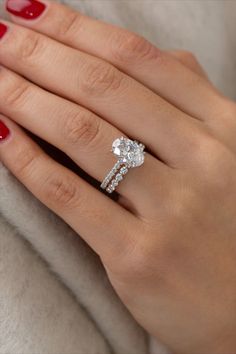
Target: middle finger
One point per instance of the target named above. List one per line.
(102, 88)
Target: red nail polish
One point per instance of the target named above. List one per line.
(27, 9)
(4, 131)
(3, 29)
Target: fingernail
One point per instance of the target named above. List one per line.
(3, 29)
(27, 9)
(4, 131)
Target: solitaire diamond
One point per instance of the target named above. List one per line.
(129, 152)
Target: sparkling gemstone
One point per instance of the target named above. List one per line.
(119, 177)
(129, 151)
(110, 189)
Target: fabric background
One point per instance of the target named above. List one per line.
(54, 294)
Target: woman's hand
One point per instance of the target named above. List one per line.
(169, 244)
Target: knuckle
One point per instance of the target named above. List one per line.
(82, 128)
(215, 161)
(128, 46)
(191, 60)
(69, 25)
(62, 192)
(29, 47)
(17, 91)
(223, 107)
(184, 54)
(227, 109)
(209, 152)
(101, 78)
(203, 149)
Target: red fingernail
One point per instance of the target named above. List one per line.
(3, 29)
(4, 131)
(27, 9)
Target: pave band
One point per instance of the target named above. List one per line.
(110, 175)
(130, 154)
(113, 182)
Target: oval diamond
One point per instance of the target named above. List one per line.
(129, 152)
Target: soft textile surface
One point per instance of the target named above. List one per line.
(54, 293)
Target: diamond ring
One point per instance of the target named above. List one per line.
(130, 154)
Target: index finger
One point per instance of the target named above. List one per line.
(129, 52)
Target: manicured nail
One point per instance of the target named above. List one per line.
(27, 9)
(3, 29)
(4, 131)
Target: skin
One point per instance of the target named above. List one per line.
(168, 245)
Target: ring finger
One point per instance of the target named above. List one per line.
(102, 223)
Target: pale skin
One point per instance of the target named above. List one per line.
(169, 244)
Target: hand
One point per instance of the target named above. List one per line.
(168, 244)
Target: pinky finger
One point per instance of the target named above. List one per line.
(102, 223)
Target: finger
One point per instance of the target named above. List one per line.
(189, 60)
(102, 223)
(81, 134)
(102, 88)
(129, 52)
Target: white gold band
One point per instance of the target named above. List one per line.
(117, 178)
(110, 175)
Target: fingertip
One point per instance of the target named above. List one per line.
(26, 11)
